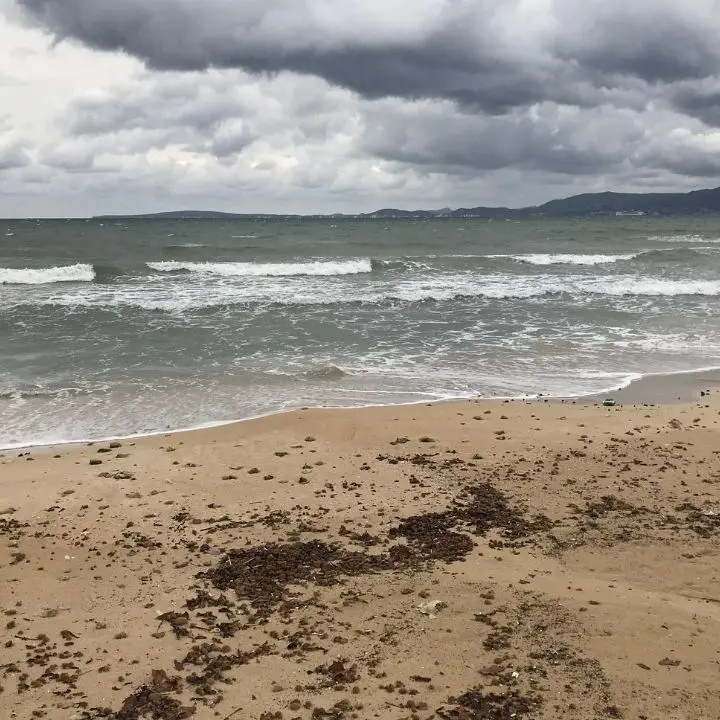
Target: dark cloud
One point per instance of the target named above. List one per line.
(544, 139)
(699, 102)
(659, 42)
(444, 53)
(495, 56)
(686, 162)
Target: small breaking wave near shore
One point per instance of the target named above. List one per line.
(80, 272)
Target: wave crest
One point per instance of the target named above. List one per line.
(567, 259)
(42, 276)
(650, 287)
(330, 372)
(246, 269)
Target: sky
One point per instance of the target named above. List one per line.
(331, 106)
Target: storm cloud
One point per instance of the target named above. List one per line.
(493, 55)
(351, 105)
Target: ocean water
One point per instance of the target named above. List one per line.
(111, 328)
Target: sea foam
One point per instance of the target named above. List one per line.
(463, 287)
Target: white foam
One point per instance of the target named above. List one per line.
(500, 288)
(566, 259)
(508, 287)
(651, 287)
(196, 291)
(244, 269)
(42, 276)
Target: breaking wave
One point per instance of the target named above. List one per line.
(326, 267)
(42, 276)
(660, 254)
(650, 287)
(468, 287)
(562, 259)
(245, 269)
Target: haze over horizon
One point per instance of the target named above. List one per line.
(112, 107)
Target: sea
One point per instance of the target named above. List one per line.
(116, 328)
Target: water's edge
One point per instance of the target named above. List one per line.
(682, 386)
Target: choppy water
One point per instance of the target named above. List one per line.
(116, 328)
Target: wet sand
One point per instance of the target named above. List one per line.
(664, 389)
(463, 560)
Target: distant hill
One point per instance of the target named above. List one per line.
(697, 202)
(392, 213)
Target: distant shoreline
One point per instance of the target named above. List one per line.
(697, 202)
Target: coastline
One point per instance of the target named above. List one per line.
(663, 388)
(542, 559)
(651, 388)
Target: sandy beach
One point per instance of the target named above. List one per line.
(464, 560)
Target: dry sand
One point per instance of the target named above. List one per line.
(464, 560)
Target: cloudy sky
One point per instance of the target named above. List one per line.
(343, 106)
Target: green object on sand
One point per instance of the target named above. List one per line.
(609, 402)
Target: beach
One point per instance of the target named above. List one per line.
(359, 361)
(471, 559)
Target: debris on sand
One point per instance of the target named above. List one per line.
(150, 701)
(478, 510)
(178, 622)
(476, 704)
(338, 674)
(263, 574)
(431, 607)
